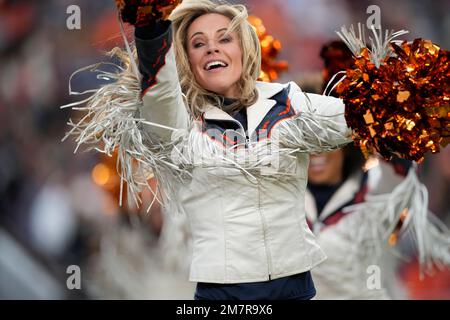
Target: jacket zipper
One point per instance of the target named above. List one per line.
(266, 247)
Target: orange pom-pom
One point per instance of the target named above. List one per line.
(141, 12)
(402, 107)
(270, 48)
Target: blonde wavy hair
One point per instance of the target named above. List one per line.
(197, 97)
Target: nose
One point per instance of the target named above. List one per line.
(212, 47)
(211, 51)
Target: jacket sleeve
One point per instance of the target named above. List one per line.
(162, 98)
(318, 124)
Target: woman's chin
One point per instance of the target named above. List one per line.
(222, 90)
(318, 177)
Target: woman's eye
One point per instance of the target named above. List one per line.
(198, 45)
(225, 40)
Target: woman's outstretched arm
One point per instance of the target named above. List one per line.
(161, 92)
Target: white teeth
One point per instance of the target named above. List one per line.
(209, 65)
(318, 161)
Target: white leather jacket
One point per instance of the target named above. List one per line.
(248, 227)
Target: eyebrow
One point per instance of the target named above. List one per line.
(223, 29)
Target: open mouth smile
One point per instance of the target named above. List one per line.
(215, 65)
